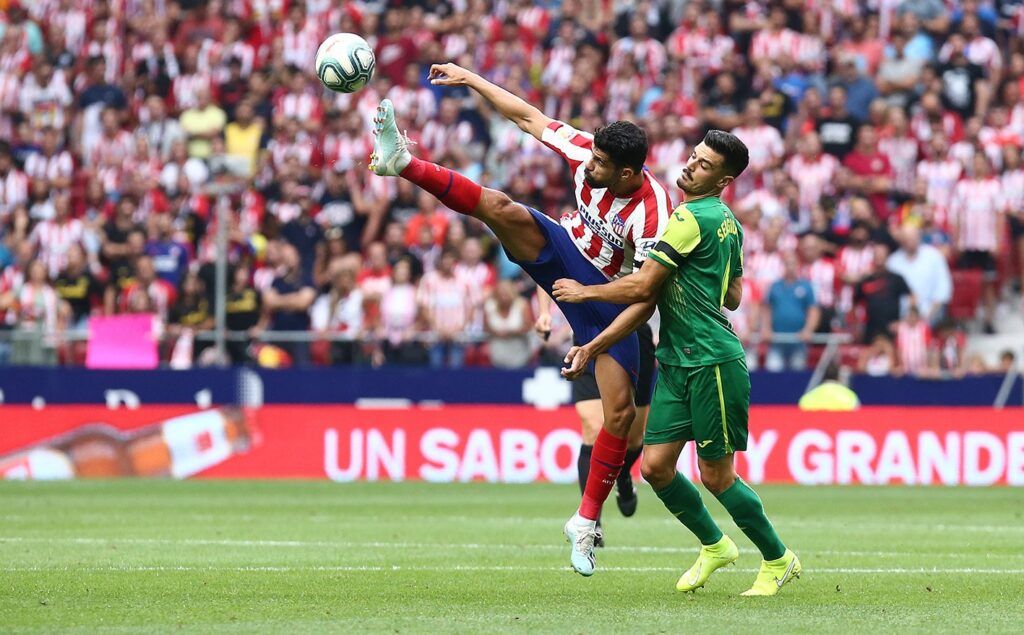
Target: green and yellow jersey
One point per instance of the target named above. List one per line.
(703, 246)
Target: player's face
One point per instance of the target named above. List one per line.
(600, 172)
(704, 172)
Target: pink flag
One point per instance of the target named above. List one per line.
(122, 341)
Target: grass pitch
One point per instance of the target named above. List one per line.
(289, 557)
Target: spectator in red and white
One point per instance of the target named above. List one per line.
(14, 184)
(299, 102)
(901, 148)
(45, 96)
(478, 275)
(647, 55)
(914, 346)
(978, 227)
(38, 305)
(110, 148)
(447, 306)
(746, 318)
(413, 99)
(812, 170)
(766, 265)
(145, 282)
(52, 165)
(339, 312)
(774, 40)
(765, 144)
(940, 173)
(1012, 183)
(373, 280)
(949, 349)
(855, 263)
(399, 316)
(820, 271)
(54, 237)
(925, 271)
(447, 131)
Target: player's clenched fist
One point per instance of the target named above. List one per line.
(566, 290)
(450, 75)
(578, 358)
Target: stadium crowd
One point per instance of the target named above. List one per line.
(885, 141)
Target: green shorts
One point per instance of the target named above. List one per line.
(706, 404)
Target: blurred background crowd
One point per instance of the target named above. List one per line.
(884, 200)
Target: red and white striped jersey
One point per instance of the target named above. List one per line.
(813, 177)
(764, 268)
(300, 44)
(614, 234)
(38, 305)
(902, 153)
(977, 212)
(54, 240)
(438, 137)
(446, 300)
(420, 101)
(981, 50)
(767, 44)
(940, 178)
(822, 275)
(300, 106)
(742, 320)
(855, 262)
(39, 166)
(111, 152)
(302, 149)
(764, 142)
(184, 89)
(45, 105)
(345, 149)
(648, 54)
(1013, 191)
(13, 190)
(912, 344)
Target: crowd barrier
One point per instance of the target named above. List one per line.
(540, 387)
(494, 443)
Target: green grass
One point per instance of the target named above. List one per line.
(288, 557)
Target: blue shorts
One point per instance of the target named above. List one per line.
(561, 259)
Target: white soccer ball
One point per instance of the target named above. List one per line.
(345, 62)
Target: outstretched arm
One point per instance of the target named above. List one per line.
(529, 118)
(628, 321)
(642, 286)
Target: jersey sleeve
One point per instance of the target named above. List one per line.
(647, 224)
(681, 237)
(571, 144)
(736, 262)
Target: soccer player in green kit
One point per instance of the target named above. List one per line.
(703, 388)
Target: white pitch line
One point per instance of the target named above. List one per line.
(217, 542)
(457, 568)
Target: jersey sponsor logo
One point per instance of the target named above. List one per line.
(598, 228)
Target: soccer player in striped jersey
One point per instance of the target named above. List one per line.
(622, 211)
(703, 389)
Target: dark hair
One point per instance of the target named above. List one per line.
(731, 148)
(624, 142)
(832, 372)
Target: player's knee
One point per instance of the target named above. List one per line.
(716, 480)
(657, 474)
(620, 419)
(498, 204)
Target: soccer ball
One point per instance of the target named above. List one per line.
(345, 62)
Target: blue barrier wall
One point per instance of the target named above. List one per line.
(471, 385)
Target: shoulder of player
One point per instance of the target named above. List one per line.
(561, 130)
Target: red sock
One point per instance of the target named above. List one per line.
(450, 187)
(606, 461)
